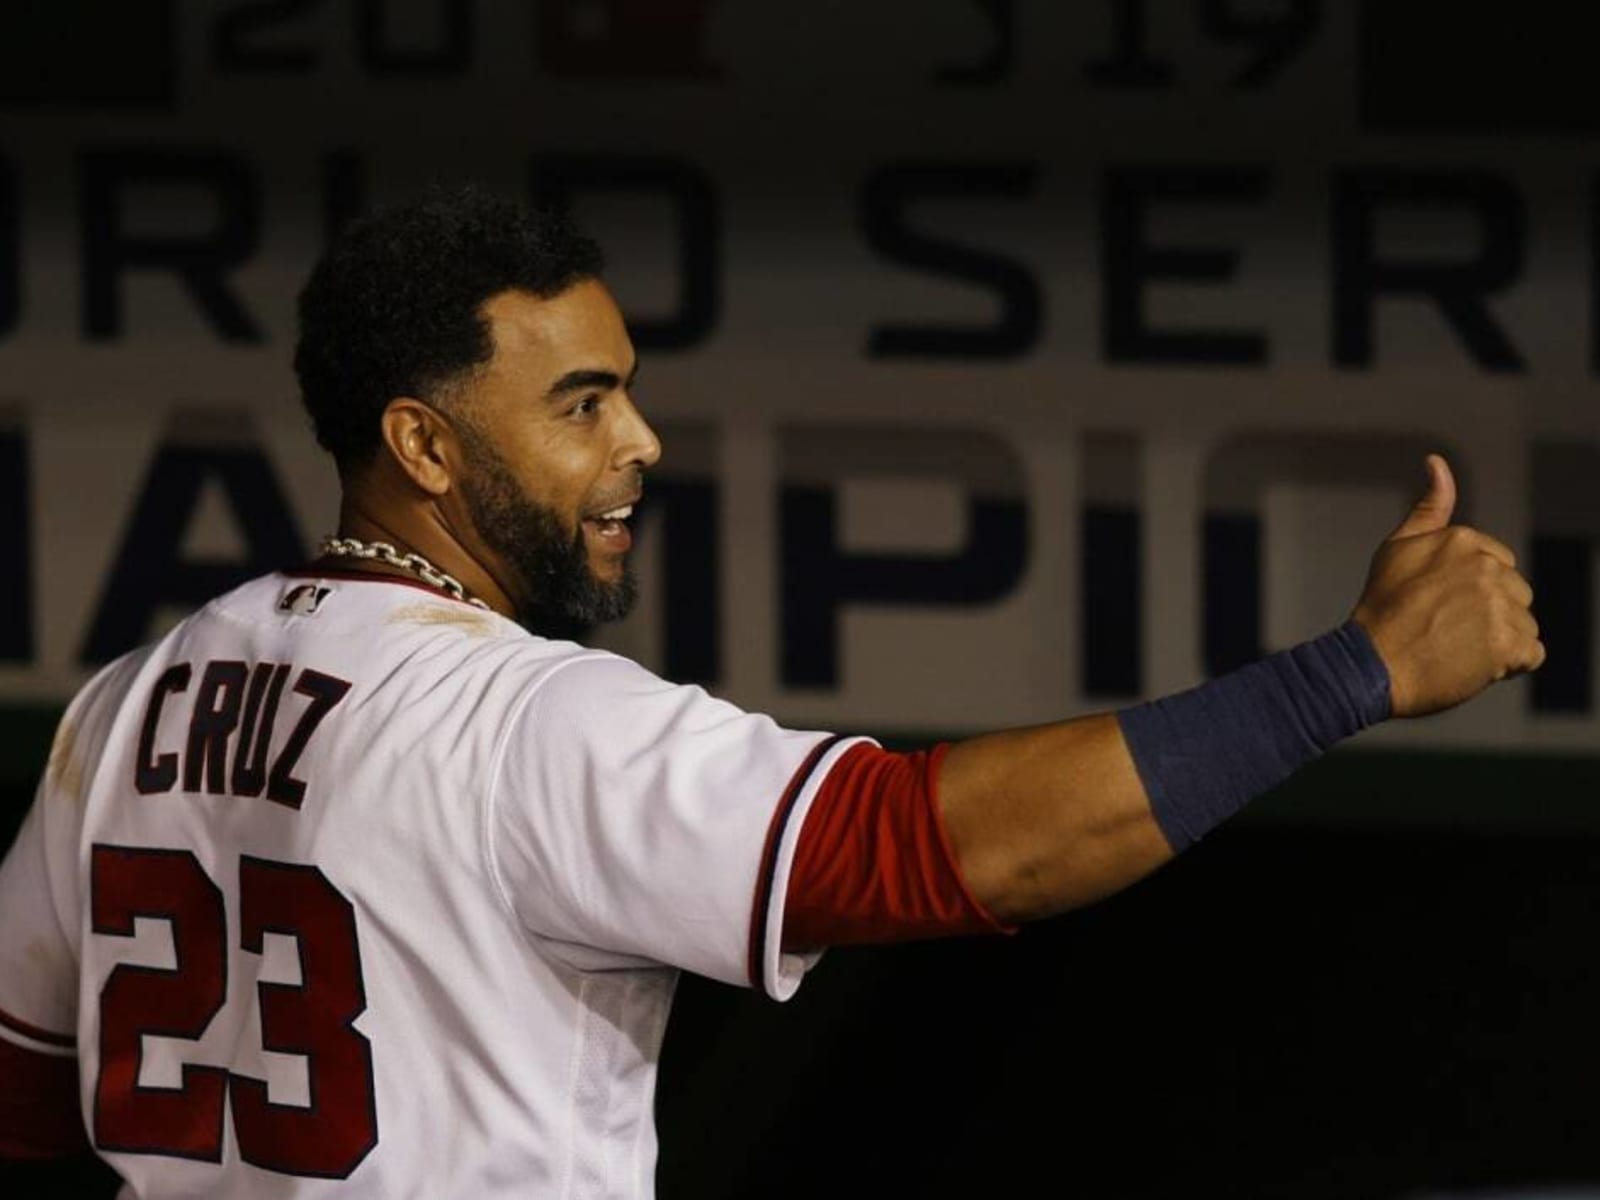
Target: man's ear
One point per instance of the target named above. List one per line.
(421, 442)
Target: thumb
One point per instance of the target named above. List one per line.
(1431, 513)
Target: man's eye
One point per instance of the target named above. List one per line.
(586, 407)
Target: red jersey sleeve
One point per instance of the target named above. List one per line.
(39, 1116)
(873, 862)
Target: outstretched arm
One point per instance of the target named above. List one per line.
(1042, 820)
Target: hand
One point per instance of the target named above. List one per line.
(1446, 607)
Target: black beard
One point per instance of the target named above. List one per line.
(561, 598)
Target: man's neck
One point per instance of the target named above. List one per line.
(421, 528)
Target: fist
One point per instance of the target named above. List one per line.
(1446, 607)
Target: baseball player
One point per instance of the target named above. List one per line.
(353, 886)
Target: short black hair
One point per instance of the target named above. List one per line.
(394, 308)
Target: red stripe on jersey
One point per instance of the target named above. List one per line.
(874, 862)
(769, 858)
(39, 1114)
(17, 1025)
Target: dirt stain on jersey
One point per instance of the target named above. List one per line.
(469, 620)
(43, 956)
(65, 769)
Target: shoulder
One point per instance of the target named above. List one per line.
(582, 681)
(107, 687)
(612, 707)
(85, 728)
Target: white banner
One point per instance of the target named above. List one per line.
(1011, 362)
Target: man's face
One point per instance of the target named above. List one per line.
(555, 452)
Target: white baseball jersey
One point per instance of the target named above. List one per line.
(345, 888)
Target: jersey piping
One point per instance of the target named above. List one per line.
(769, 858)
(54, 1041)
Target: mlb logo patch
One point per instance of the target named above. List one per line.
(303, 599)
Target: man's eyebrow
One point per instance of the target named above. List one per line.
(585, 377)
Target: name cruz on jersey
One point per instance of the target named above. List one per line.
(233, 713)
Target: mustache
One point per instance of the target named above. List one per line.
(625, 494)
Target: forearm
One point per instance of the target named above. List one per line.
(1048, 818)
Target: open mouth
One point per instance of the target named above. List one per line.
(611, 527)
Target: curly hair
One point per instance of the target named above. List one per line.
(394, 308)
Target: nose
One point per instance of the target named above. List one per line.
(637, 444)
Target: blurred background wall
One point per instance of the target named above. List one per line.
(1013, 359)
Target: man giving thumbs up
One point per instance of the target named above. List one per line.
(495, 848)
(1446, 607)
(1047, 818)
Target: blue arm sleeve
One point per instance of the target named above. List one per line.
(1205, 753)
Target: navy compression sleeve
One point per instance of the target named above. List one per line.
(1205, 753)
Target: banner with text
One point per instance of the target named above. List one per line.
(1012, 362)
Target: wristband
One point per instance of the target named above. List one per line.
(1203, 754)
